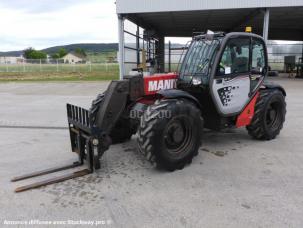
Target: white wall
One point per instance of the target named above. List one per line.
(70, 58)
(9, 60)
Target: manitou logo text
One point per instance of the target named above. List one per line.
(162, 84)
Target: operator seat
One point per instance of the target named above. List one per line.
(240, 64)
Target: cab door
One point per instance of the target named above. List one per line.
(258, 63)
(232, 82)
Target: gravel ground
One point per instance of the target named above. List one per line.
(235, 181)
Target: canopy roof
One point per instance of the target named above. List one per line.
(182, 18)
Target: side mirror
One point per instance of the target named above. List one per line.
(256, 71)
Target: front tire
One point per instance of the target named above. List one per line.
(123, 129)
(269, 117)
(170, 133)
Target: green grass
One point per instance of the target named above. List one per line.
(102, 57)
(26, 68)
(61, 72)
(39, 77)
(276, 66)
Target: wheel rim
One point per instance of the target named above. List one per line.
(274, 116)
(178, 136)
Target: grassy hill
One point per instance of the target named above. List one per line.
(11, 53)
(89, 48)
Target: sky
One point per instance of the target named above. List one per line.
(45, 23)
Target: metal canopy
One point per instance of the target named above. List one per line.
(285, 23)
(153, 6)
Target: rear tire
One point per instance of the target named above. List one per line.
(269, 117)
(122, 131)
(170, 133)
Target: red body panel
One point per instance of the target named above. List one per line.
(149, 100)
(244, 119)
(154, 83)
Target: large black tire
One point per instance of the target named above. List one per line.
(170, 133)
(123, 129)
(269, 117)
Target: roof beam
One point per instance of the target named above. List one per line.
(245, 19)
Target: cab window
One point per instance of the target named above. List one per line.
(258, 56)
(235, 58)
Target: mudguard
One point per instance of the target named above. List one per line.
(272, 85)
(175, 93)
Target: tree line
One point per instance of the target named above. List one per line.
(31, 53)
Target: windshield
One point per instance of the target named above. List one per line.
(198, 60)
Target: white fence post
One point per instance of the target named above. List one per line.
(23, 64)
(57, 65)
(40, 66)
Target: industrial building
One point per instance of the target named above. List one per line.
(152, 21)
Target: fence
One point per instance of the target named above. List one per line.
(41, 65)
(173, 54)
(276, 54)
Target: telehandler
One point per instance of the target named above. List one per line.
(220, 84)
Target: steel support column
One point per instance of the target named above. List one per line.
(161, 54)
(121, 56)
(169, 56)
(266, 24)
(138, 45)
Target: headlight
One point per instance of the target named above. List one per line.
(197, 81)
(95, 142)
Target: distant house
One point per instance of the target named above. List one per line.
(73, 57)
(11, 60)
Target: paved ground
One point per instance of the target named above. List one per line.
(254, 184)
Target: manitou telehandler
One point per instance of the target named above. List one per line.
(220, 84)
